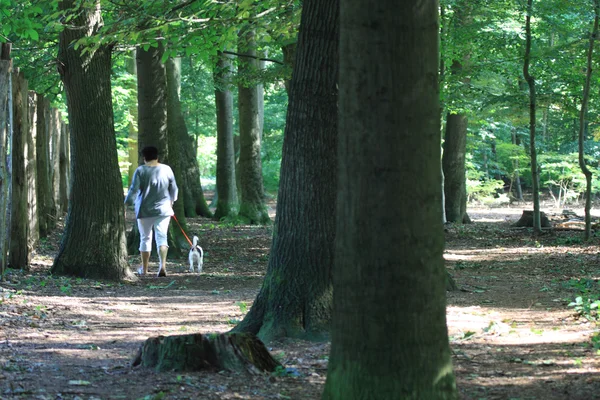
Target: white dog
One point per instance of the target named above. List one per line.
(196, 256)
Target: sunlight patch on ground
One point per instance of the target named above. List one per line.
(514, 326)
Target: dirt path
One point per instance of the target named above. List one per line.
(512, 334)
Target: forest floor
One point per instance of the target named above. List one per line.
(512, 333)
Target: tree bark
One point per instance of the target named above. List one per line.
(55, 127)
(175, 122)
(31, 172)
(45, 200)
(93, 243)
(19, 249)
(5, 89)
(252, 204)
(64, 163)
(389, 334)
(453, 164)
(227, 204)
(296, 296)
(517, 175)
(226, 351)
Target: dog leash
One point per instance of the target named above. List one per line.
(182, 231)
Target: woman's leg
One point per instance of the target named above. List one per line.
(145, 228)
(161, 227)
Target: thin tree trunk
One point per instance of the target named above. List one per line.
(389, 335)
(289, 59)
(296, 296)
(5, 181)
(45, 200)
(252, 205)
(31, 172)
(19, 250)
(55, 137)
(93, 243)
(132, 128)
(64, 164)
(517, 175)
(227, 204)
(582, 123)
(453, 162)
(537, 226)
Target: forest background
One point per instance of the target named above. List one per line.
(500, 63)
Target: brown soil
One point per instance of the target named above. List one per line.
(512, 333)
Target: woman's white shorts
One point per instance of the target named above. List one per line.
(161, 227)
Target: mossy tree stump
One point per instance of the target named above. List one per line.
(526, 220)
(239, 352)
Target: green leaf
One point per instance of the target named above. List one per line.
(33, 34)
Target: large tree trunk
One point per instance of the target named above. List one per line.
(31, 172)
(175, 122)
(19, 250)
(296, 297)
(252, 204)
(45, 200)
(389, 335)
(226, 351)
(191, 189)
(93, 243)
(227, 204)
(152, 129)
(5, 69)
(453, 163)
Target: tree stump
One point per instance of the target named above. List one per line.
(239, 352)
(526, 219)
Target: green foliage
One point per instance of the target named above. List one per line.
(586, 307)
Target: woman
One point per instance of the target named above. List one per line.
(154, 189)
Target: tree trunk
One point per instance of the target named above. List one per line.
(537, 228)
(31, 172)
(227, 204)
(152, 128)
(191, 189)
(132, 128)
(226, 351)
(252, 205)
(175, 122)
(19, 250)
(582, 122)
(517, 175)
(5, 89)
(289, 59)
(453, 163)
(55, 137)
(93, 243)
(45, 200)
(64, 163)
(389, 335)
(296, 296)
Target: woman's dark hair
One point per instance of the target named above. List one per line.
(150, 153)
